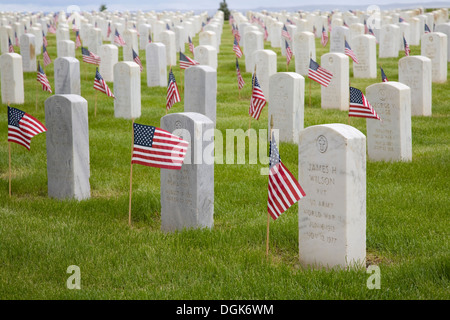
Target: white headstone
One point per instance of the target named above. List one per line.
(67, 76)
(304, 49)
(95, 40)
(365, 49)
(127, 90)
(131, 43)
(66, 119)
(332, 216)
(336, 95)
(109, 56)
(187, 195)
(156, 65)
(445, 28)
(415, 72)
(200, 92)
(12, 78)
(28, 52)
(206, 55)
(389, 139)
(254, 40)
(65, 48)
(265, 62)
(434, 46)
(286, 104)
(168, 39)
(338, 36)
(389, 43)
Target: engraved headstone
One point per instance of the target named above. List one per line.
(206, 55)
(66, 119)
(434, 46)
(365, 49)
(389, 139)
(286, 104)
(201, 91)
(127, 90)
(445, 29)
(338, 36)
(168, 39)
(156, 65)
(389, 41)
(65, 48)
(109, 56)
(67, 76)
(187, 195)
(304, 49)
(336, 95)
(265, 62)
(415, 72)
(12, 78)
(254, 40)
(332, 219)
(28, 52)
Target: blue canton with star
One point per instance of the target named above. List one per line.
(143, 135)
(274, 157)
(14, 116)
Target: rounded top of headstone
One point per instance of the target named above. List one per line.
(324, 132)
(382, 86)
(200, 68)
(278, 75)
(333, 56)
(192, 116)
(67, 97)
(414, 58)
(8, 55)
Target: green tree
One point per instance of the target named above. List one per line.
(224, 8)
(102, 7)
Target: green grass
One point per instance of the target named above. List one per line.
(407, 210)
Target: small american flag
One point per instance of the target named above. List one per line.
(137, 60)
(108, 32)
(407, 50)
(77, 40)
(266, 33)
(22, 127)
(10, 46)
(44, 39)
(383, 75)
(89, 57)
(173, 95)
(100, 85)
(241, 81)
(186, 62)
(47, 59)
(191, 45)
(258, 100)
(350, 53)
(237, 50)
(118, 39)
(149, 38)
(237, 34)
(400, 19)
(324, 39)
(42, 78)
(427, 29)
(284, 189)
(319, 74)
(51, 28)
(167, 26)
(155, 147)
(359, 106)
(285, 33)
(288, 52)
(366, 29)
(17, 39)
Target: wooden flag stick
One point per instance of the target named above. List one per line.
(268, 215)
(9, 152)
(131, 171)
(95, 110)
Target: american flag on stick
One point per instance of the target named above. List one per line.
(427, 29)
(22, 127)
(155, 147)
(319, 74)
(407, 50)
(191, 45)
(10, 46)
(42, 78)
(324, 38)
(47, 59)
(285, 33)
(288, 52)
(383, 76)
(51, 28)
(173, 95)
(359, 106)
(236, 48)
(258, 100)
(241, 81)
(89, 57)
(284, 189)
(77, 40)
(17, 39)
(349, 52)
(44, 39)
(100, 85)
(137, 60)
(118, 39)
(108, 32)
(186, 62)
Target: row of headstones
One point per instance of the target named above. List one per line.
(332, 171)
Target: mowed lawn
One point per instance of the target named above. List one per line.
(407, 208)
